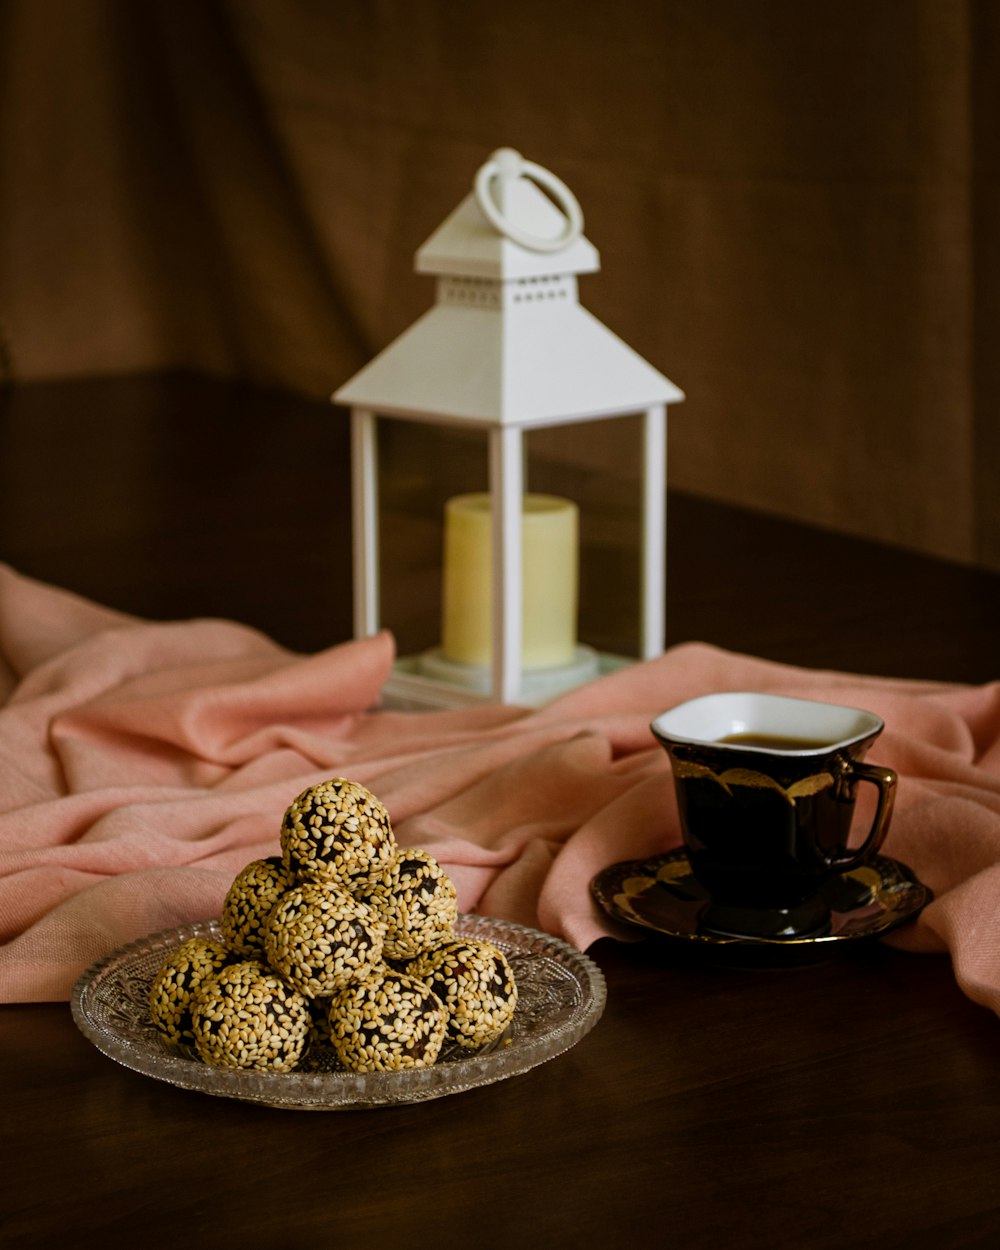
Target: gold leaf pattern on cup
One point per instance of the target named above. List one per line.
(751, 779)
(691, 768)
(810, 785)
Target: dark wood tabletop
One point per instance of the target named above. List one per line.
(850, 1103)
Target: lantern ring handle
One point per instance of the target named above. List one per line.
(506, 163)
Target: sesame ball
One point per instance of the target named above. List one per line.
(318, 1035)
(339, 832)
(386, 1022)
(247, 1017)
(474, 981)
(420, 904)
(181, 975)
(377, 894)
(318, 937)
(253, 893)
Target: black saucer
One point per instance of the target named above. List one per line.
(661, 896)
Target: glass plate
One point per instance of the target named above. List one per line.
(561, 996)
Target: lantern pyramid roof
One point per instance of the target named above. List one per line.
(468, 244)
(507, 341)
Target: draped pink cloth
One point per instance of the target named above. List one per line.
(142, 764)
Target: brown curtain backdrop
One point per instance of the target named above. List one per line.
(795, 204)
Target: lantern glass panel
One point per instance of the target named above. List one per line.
(598, 464)
(421, 465)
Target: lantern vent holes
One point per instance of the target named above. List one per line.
(476, 291)
(545, 287)
(490, 293)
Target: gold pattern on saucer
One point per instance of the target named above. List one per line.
(866, 875)
(671, 869)
(751, 779)
(625, 910)
(660, 896)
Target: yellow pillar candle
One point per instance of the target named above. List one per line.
(549, 574)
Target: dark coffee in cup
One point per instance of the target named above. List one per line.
(766, 791)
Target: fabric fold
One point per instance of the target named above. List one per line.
(144, 763)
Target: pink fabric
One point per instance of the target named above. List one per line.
(142, 764)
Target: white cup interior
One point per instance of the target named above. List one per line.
(714, 716)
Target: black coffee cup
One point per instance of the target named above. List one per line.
(766, 789)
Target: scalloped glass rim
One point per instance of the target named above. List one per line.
(561, 995)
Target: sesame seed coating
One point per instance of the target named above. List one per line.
(421, 905)
(318, 938)
(338, 831)
(180, 977)
(387, 1022)
(476, 984)
(340, 952)
(377, 894)
(248, 904)
(247, 1017)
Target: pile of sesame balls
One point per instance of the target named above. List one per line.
(344, 942)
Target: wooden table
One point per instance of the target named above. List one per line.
(853, 1103)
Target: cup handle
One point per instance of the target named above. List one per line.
(885, 780)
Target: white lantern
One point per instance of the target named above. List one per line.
(507, 348)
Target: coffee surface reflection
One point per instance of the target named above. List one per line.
(776, 742)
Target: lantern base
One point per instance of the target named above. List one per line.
(429, 681)
(537, 684)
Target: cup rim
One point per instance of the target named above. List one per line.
(703, 720)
